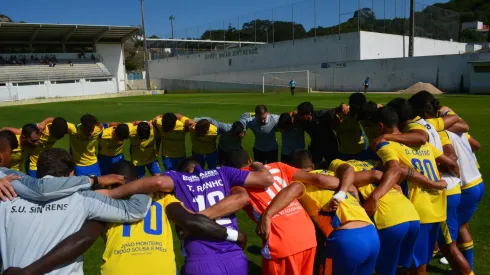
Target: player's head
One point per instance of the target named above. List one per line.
(202, 127)
(55, 162)
(143, 130)
(187, 165)
(122, 131)
(305, 112)
(261, 114)
(5, 152)
(237, 130)
(356, 102)
(238, 159)
(368, 110)
(302, 159)
(168, 122)
(403, 110)
(58, 128)
(285, 122)
(30, 135)
(424, 104)
(12, 139)
(88, 122)
(387, 120)
(126, 169)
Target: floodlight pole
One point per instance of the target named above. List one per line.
(145, 45)
(412, 29)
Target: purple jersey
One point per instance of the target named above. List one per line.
(200, 190)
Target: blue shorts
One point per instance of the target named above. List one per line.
(450, 227)
(425, 243)
(153, 168)
(210, 159)
(396, 247)
(106, 162)
(170, 164)
(341, 244)
(470, 198)
(91, 170)
(233, 264)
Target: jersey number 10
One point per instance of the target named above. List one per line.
(201, 204)
(147, 222)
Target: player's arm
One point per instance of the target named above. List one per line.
(259, 177)
(64, 252)
(144, 185)
(412, 138)
(237, 200)
(225, 127)
(407, 173)
(451, 165)
(364, 178)
(321, 181)
(154, 120)
(16, 131)
(449, 151)
(112, 124)
(285, 197)
(475, 144)
(455, 124)
(390, 178)
(41, 125)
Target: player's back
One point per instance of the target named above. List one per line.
(429, 203)
(292, 230)
(28, 230)
(144, 247)
(468, 164)
(200, 190)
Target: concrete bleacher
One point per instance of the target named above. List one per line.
(62, 71)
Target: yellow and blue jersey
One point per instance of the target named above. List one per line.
(144, 247)
(109, 145)
(429, 203)
(17, 158)
(413, 126)
(351, 137)
(315, 202)
(206, 144)
(82, 148)
(46, 141)
(393, 208)
(143, 151)
(173, 142)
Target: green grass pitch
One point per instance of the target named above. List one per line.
(227, 107)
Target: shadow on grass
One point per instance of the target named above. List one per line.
(254, 249)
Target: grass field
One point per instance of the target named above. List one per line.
(227, 107)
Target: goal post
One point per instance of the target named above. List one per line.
(282, 79)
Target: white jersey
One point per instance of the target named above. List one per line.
(435, 140)
(468, 166)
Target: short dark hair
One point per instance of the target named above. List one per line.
(143, 130)
(285, 120)
(29, 129)
(88, 121)
(356, 101)
(55, 162)
(424, 102)
(238, 158)
(168, 121)
(368, 110)
(126, 169)
(202, 126)
(122, 131)
(237, 128)
(12, 139)
(185, 164)
(386, 115)
(305, 108)
(402, 108)
(58, 128)
(301, 159)
(260, 109)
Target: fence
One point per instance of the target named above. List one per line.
(313, 18)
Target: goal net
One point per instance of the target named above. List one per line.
(277, 82)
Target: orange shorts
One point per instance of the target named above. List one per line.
(298, 264)
(326, 267)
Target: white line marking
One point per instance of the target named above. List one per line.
(188, 102)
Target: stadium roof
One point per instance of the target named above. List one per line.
(195, 44)
(32, 34)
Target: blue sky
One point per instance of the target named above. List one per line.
(192, 16)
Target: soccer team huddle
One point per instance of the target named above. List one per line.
(380, 189)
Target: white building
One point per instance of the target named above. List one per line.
(475, 25)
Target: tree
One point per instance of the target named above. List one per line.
(154, 36)
(5, 19)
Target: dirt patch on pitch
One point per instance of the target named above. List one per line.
(420, 86)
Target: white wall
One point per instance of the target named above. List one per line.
(73, 56)
(380, 45)
(113, 57)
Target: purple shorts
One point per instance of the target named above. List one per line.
(232, 264)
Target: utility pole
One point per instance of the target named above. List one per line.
(145, 45)
(411, 29)
(172, 18)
